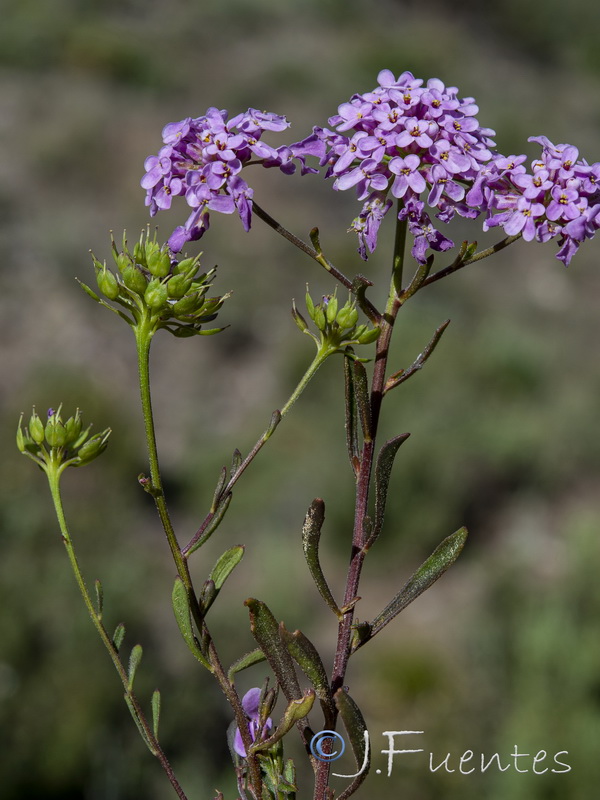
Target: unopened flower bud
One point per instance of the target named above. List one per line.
(159, 262)
(320, 320)
(185, 266)
(107, 283)
(139, 254)
(72, 428)
(186, 305)
(368, 336)
(310, 306)
(331, 310)
(93, 448)
(347, 317)
(123, 261)
(55, 432)
(156, 295)
(299, 319)
(134, 279)
(178, 285)
(36, 428)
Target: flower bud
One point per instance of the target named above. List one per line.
(123, 261)
(299, 319)
(178, 285)
(320, 320)
(139, 253)
(107, 283)
(331, 309)
(156, 295)
(187, 305)
(185, 266)
(55, 432)
(159, 262)
(347, 317)
(135, 280)
(36, 428)
(93, 448)
(368, 336)
(72, 428)
(310, 306)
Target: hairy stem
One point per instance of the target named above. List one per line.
(53, 480)
(358, 552)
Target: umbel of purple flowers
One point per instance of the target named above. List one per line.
(422, 145)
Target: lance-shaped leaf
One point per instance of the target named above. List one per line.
(219, 574)
(311, 535)
(383, 471)
(236, 462)
(306, 656)
(296, 710)
(213, 524)
(134, 662)
(118, 636)
(99, 598)
(247, 660)
(351, 414)
(438, 562)
(140, 726)
(181, 607)
(155, 711)
(266, 632)
(219, 489)
(361, 388)
(359, 739)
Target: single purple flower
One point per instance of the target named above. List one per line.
(250, 703)
(409, 177)
(523, 219)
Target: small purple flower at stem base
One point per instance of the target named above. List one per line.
(250, 705)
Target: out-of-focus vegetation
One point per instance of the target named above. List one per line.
(504, 418)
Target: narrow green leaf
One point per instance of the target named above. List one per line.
(248, 660)
(236, 461)
(383, 471)
(99, 598)
(438, 562)
(266, 632)
(355, 726)
(219, 489)
(134, 662)
(155, 711)
(138, 722)
(306, 656)
(273, 423)
(351, 414)
(213, 524)
(361, 388)
(295, 711)
(226, 564)
(181, 607)
(311, 535)
(118, 636)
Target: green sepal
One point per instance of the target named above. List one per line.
(248, 660)
(181, 607)
(140, 727)
(428, 573)
(295, 711)
(363, 404)
(266, 632)
(99, 598)
(311, 535)
(213, 524)
(356, 726)
(155, 711)
(118, 636)
(383, 471)
(308, 659)
(134, 662)
(351, 413)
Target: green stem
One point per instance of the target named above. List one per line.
(398, 258)
(53, 472)
(143, 336)
(322, 355)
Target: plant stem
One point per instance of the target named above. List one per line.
(53, 473)
(318, 360)
(459, 264)
(358, 552)
(144, 333)
(143, 336)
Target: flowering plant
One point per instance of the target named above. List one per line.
(404, 145)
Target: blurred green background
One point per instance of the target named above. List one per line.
(505, 650)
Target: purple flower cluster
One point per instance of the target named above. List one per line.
(560, 197)
(404, 139)
(202, 159)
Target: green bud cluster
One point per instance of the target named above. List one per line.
(152, 285)
(338, 327)
(56, 443)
